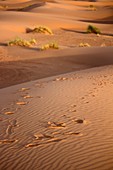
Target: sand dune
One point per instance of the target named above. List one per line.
(47, 63)
(62, 10)
(56, 104)
(71, 131)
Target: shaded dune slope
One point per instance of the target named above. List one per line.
(26, 70)
(68, 20)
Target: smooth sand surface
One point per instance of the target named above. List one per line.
(56, 106)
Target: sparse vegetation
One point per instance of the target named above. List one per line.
(40, 29)
(50, 46)
(84, 45)
(3, 7)
(93, 29)
(92, 7)
(22, 42)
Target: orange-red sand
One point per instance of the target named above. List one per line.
(56, 108)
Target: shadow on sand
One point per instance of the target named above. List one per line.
(33, 69)
(83, 32)
(98, 21)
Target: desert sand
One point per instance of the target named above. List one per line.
(56, 108)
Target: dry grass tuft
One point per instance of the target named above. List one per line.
(22, 42)
(40, 29)
(84, 45)
(92, 7)
(93, 29)
(50, 46)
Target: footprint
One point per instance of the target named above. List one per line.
(24, 89)
(56, 133)
(56, 125)
(9, 130)
(56, 139)
(73, 105)
(9, 113)
(71, 110)
(60, 79)
(40, 136)
(4, 109)
(81, 121)
(44, 143)
(11, 126)
(14, 123)
(73, 133)
(48, 136)
(74, 110)
(31, 145)
(27, 97)
(22, 103)
(7, 141)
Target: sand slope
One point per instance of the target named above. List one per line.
(19, 70)
(66, 123)
(62, 122)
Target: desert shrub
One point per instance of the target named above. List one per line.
(3, 7)
(40, 29)
(93, 29)
(50, 46)
(84, 45)
(32, 41)
(92, 7)
(22, 42)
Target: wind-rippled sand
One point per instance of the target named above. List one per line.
(62, 122)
